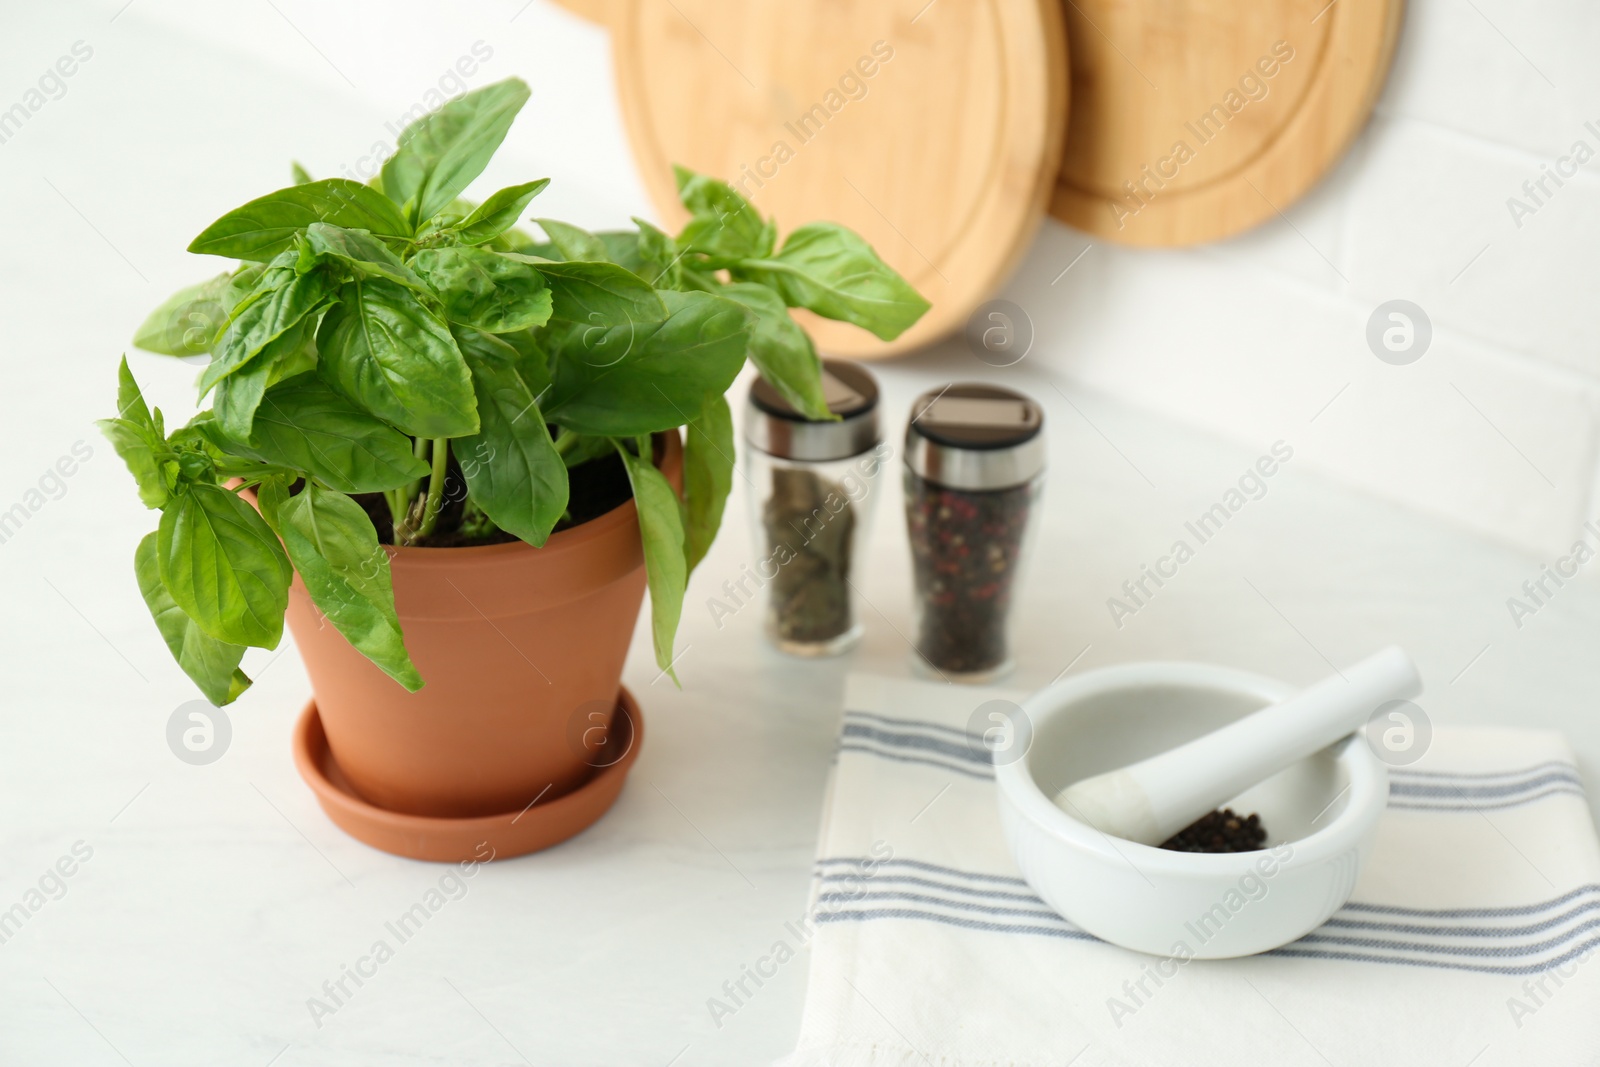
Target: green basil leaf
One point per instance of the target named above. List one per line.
(211, 664)
(629, 380)
(239, 394)
(689, 278)
(130, 401)
(828, 269)
(388, 353)
(243, 289)
(137, 438)
(299, 174)
(244, 282)
(511, 465)
(442, 152)
(596, 294)
(647, 252)
(707, 477)
(573, 242)
(280, 300)
(781, 350)
(535, 361)
(622, 248)
(725, 225)
(362, 252)
(305, 425)
(485, 290)
(336, 550)
(188, 323)
(223, 566)
(194, 465)
(295, 352)
(143, 451)
(660, 262)
(583, 449)
(270, 496)
(257, 280)
(499, 213)
(269, 225)
(661, 527)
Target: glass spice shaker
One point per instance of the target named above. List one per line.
(815, 486)
(974, 467)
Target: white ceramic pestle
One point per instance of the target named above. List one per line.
(1153, 799)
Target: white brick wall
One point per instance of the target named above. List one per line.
(1495, 427)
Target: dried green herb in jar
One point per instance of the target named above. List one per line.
(812, 497)
(974, 468)
(811, 591)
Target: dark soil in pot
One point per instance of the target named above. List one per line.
(597, 487)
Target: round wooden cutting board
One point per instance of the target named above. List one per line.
(1195, 119)
(933, 128)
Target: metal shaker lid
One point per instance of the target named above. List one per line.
(776, 428)
(975, 437)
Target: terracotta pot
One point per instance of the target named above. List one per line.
(521, 649)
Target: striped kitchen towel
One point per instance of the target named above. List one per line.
(1469, 940)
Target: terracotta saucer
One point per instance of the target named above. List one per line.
(513, 833)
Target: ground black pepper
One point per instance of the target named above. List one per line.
(965, 550)
(1220, 831)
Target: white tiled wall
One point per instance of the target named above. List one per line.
(1494, 428)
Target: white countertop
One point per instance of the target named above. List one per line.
(218, 899)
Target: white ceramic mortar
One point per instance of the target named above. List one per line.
(1321, 816)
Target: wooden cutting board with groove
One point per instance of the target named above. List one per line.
(1195, 119)
(933, 129)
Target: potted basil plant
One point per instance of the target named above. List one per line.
(451, 452)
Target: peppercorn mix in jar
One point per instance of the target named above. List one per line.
(973, 472)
